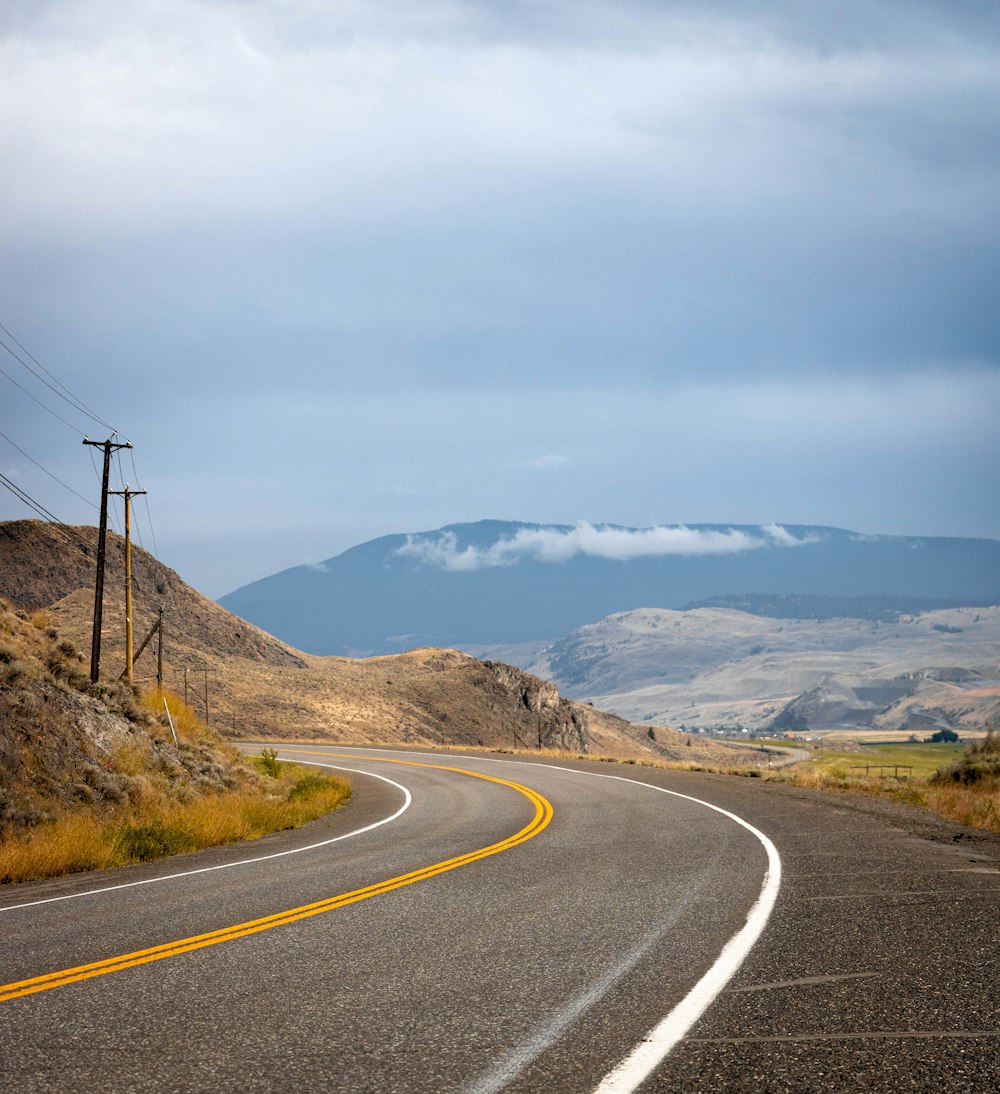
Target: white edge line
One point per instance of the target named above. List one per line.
(658, 1042)
(407, 799)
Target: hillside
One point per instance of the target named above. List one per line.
(258, 686)
(66, 744)
(505, 583)
(715, 666)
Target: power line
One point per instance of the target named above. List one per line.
(145, 498)
(37, 400)
(68, 397)
(64, 393)
(46, 470)
(29, 500)
(74, 537)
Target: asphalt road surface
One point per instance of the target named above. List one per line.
(546, 928)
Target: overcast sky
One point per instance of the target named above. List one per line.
(342, 269)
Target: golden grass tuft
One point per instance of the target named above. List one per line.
(188, 725)
(156, 826)
(975, 807)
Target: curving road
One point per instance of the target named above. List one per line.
(543, 928)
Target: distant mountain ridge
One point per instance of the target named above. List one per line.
(505, 582)
(883, 609)
(707, 667)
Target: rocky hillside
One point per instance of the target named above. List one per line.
(714, 666)
(249, 684)
(66, 743)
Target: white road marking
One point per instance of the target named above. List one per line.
(518, 1058)
(407, 799)
(658, 1042)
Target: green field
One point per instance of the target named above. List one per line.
(924, 758)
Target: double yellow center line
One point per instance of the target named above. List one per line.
(543, 814)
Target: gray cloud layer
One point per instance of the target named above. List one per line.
(359, 267)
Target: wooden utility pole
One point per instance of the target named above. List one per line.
(128, 495)
(159, 651)
(109, 446)
(157, 629)
(208, 721)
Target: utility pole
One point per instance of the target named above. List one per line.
(159, 652)
(128, 495)
(157, 629)
(109, 446)
(207, 719)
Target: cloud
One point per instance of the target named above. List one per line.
(595, 541)
(551, 461)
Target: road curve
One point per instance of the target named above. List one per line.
(538, 966)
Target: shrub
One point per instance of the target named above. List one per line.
(308, 786)
(145, 842)
(12, 672)
(980, 763)
(268, 763)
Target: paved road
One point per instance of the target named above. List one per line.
(534, 957)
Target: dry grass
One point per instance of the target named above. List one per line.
(157, 826)
(975, 807)
(974, 803)
(91, 776)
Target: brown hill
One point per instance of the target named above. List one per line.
(249, 684)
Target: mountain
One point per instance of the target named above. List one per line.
(505, 583)
(708, 667)
(250, 684)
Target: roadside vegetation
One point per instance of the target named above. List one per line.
(91, 776)
(959, 782)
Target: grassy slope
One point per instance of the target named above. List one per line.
(90, 776)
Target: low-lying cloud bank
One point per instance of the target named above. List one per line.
(597, 541)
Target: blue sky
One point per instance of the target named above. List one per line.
(344, 269)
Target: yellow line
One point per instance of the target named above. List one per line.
(543, 814)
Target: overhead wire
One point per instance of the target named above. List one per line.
(65, 394)
(39, 401)
(47, 471)
(71, 533)
(145, 498)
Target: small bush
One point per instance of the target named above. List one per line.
(268, 763)
(146, 842)
(308, 786)
(12, 672)
(980, 763)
